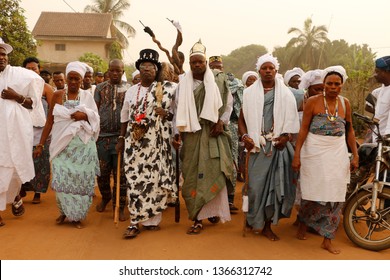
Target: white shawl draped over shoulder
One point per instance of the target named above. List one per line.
(16, 124)
(186, 116)
(286, 119)
(64, 128)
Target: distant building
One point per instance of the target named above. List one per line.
(64, 37)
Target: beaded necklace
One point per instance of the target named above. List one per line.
(330, 116)
(138, 116)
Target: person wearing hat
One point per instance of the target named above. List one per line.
(73, 123)
(215, 62)
(135, 77)
(145, 139)
(325, 133)
(87, 84)
(109, 96)
(382, 108)
(20, 93)
(268, 118)
(99, 78)
(203, 110)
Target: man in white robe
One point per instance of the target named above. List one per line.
(20, 91)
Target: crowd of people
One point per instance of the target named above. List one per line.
(280, 134)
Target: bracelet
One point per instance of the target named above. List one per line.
(121, 137)
(243, 136)
(40, 145)
(24, 100)
(285, 134)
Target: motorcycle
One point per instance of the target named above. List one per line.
(367, 209)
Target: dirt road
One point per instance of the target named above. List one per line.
(35, 236)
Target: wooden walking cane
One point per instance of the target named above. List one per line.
(177, 204)
(118, 183)
(245, 201)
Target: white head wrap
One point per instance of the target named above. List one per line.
(8, 48)
(88, 68)
(296, 71)
(135, 73)
(337, 68)
(76, 66)
(247, 74)
(267, 58)
(310, 78)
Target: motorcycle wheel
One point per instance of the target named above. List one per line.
(363, 230)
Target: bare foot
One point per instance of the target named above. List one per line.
(60, 220)
(301, 234)
(77, 224)
(327, 245)
(267, 232)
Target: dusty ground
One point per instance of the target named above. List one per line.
(36, 236)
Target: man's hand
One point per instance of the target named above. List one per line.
(11, 94)
(216, 129)
(176, 142)
(119, 147)
(281, 141)
(248, 143)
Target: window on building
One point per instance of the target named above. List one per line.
(60, 47)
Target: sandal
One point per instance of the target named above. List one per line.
(214, 220)
(18, 208)
(195, 229)
(152, 228)
(131, 232)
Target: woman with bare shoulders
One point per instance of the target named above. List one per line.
(321, 156)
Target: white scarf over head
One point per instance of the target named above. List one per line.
(285, 111)
(187, 117)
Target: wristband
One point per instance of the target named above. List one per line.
(243, 136)
(121, 137)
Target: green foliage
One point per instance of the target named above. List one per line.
(95, 61)
(242, 59)
(120, 29)
(129, 69)
(13, 30)
(115, 50)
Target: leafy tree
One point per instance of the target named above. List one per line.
(115, 51)
(120, 29)
(95, 61)
(242, 59)
(13, 30)
(309, 43)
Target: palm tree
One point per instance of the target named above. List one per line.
(116, 8)
(308, 42)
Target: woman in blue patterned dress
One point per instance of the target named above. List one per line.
(74, 124)
(321, 156)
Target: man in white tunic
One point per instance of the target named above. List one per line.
(20, 91)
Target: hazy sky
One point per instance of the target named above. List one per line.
(224, 25)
